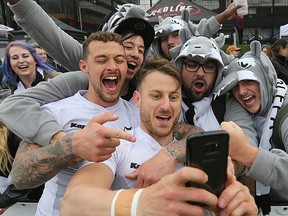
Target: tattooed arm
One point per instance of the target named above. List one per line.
(34, 164)
(177, 149)
(164, 161)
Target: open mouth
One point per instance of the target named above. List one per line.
(199, 85)
(131, 65)
(23, 67)
(163, 118)
(110, 82)
(249, 100)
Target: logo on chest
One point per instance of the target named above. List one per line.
(134, 165)
(77, 125)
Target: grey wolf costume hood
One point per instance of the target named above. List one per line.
(171, 24)
(131, 18)
(177, 23)
(253, 65)
(199, 48)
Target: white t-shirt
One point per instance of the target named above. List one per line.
(72, 114)
(129, 156)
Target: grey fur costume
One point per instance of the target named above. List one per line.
(269, 167)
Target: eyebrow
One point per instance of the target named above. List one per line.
(105, 56)
(131, 42)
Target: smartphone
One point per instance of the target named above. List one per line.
(208, 151)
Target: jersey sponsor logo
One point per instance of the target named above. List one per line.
(134, 165)
(77, 125)
(127, 128)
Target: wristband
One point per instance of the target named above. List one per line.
(112, 212)
(124, 202)
(135, 202)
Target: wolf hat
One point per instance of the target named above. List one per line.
(131, 18)
(199, 47)
(253, 65)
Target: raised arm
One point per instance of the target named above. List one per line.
(267, 167)
(39, 25)
(21, 113)
(214, 24)
(228, 14)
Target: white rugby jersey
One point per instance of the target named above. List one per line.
(72, 114)
(129, 156)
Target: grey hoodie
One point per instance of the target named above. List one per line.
(170, 24)
(269, 167)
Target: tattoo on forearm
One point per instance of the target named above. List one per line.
(34, 166)
(181, 132)
(177, 150)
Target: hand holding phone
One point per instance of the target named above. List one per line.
(208, 151)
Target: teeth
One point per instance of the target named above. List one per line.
(132, 63)
(22, 66)
(164, 117)
(247, 98)
(111, 78)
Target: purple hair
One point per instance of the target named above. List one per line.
(10, 78)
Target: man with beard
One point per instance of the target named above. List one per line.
(201, 66)
(98, 187)
(136, 41)
(200, 62)
(137, 34)
(67, 51)
(105, 63)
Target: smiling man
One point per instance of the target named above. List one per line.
(101, 185)
(105, 63)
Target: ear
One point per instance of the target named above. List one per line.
(185, 15)
(255, 47)
(137, 99)
(220, 40)
(83, 66)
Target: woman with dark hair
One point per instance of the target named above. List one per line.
(23, 67)
(266, 48)
(279, 58)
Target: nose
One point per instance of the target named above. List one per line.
(134, 52)
(200, 72)
(241, 88)
(21, 59)
(112, 66)
(170, 40)
(165, 103)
